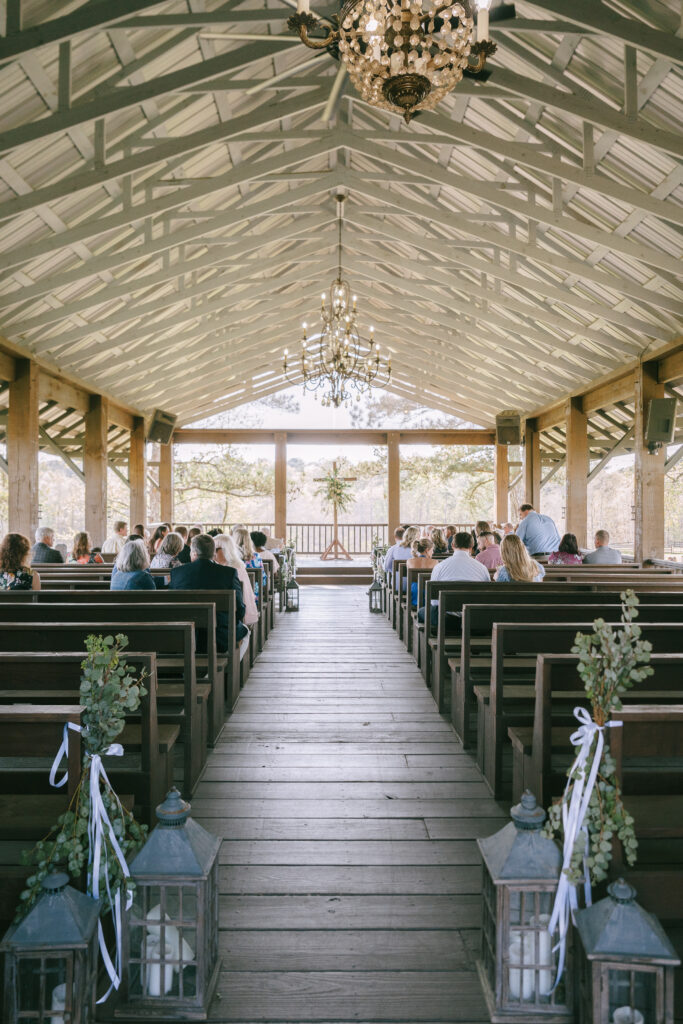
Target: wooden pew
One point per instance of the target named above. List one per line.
(471, 666)
(541, 752)
(648, 751)
(55, 679)
(172, 641)
(201, 615)
(520, 640)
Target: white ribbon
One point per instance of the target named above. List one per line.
(63, 752)
(573, 815)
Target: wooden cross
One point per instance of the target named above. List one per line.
(336, 545)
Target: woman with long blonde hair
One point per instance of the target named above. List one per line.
(438, 538)
(518, 565)
(227, 554)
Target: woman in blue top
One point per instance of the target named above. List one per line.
(131, 568)
(518, 565)
(248, 553)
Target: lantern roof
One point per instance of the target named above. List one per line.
(178, 846)
(519, 851)
(61, 916)
(617, 927)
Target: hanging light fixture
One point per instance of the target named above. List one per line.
(404, 55)
(337, 360)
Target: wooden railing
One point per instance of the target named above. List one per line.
(313, 538)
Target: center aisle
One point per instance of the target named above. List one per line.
(349, 885)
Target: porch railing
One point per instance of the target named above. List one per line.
(313, 538)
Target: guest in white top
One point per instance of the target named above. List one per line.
(114, 545)
(458, 567)
(603, 554)
(259, 540)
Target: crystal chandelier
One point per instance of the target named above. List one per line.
(338, 361)
(403, 55)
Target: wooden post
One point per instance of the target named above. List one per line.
(137, 474)
(95, 468)
(22, 449)
(501, 483)
(166, 511)
(393, 483)
(576, 494)
(649, 471)
(281, 485)
(532, 465)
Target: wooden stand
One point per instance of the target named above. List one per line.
(336, 549)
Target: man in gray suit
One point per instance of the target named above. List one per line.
(43, 550)
(603, 554)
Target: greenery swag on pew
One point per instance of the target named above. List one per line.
(610, 662)
(108, 692)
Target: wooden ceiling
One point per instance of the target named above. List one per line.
(167, 213)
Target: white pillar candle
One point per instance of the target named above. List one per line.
(303, 6)
(154, 981)
(58, 1003)
(482, 24)
(545, 953)
(521, 982)
(626, 1015)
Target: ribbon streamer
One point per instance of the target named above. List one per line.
(573, 815)
(63, 752)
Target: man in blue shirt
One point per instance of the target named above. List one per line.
(538, 533)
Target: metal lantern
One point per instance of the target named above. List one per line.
(170, 942)
(625, 962)
(292, 596)
(376, 596)
(518, 965)
(51, 958)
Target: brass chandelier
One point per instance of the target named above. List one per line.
(403, 55)
(337, 361)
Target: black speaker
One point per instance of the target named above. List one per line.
(161, 428)
(661, 420)
(508, 427)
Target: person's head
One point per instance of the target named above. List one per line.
(438, 538)
(225, 546)
(463, 541)
(139, 530)
(45, 535)
(172, 545)
(193, 532)
(82, 545)
(242, 538)
(134, 536)
(213, 532)
(517, 560)
(410, 534)
(525, 509)
(482, 527)
(508, 528)
(14, 552)
(601, 539)
(398, 534)
(486, 540)
(132, 557)
(121, 527)
(569, 545)
(422, 548)
(182, 532)
(450, 532)
(202, 546)
(258, 539)
(158, 535)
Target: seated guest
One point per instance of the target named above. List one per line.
(194, 531)
(61, 547)
(518, 566)
(114, 543)
(489, 551)
(389, 557)
(82, 551)
(258, 539)
(248, 553)
(538, 533)
(184, 556)
(202, 573)
(168, 552)
(139, 528)
(450, 534)
(213, 532)
(402, 551)
(438, 538)
(43, 550)
(603, 554)
(458, 567)
(422, 551)
(508, 528)
(15, 573)
(227, 554)
(481, 527)
(568, 552)
(156, 539)
(131, 568)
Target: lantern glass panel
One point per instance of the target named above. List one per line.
(630, 990)
(163, 942)
(488, 934)
(529, 962)
(45, 985)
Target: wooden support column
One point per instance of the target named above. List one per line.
(648, 471)
(22, 449)
(576, 494)
(95, 468)
(501, 480)
(532, 465)
(393, 482)
(137, 474)
(281, 484)
(166, 510)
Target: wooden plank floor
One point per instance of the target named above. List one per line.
(349, 873)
